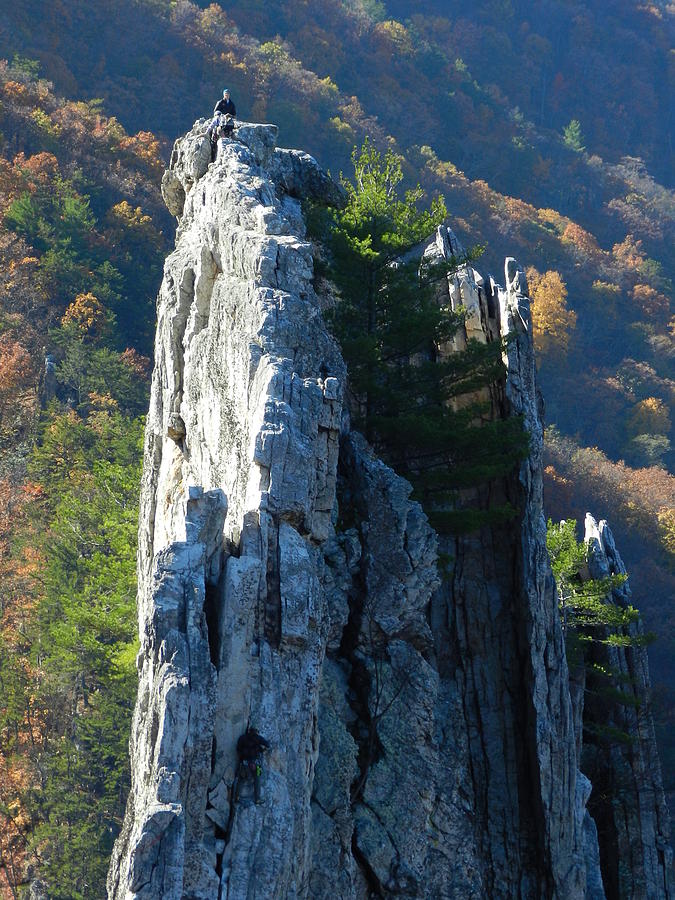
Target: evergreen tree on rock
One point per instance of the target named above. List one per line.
(403, 387)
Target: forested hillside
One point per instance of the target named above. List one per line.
(80, 259)
(547, 127)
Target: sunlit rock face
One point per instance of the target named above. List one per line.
(420, 719)
(237, 502)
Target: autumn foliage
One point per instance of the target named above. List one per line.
(73, 266)
(479, 103)
(16, 367)
(552, 320)
(649, 416)
(87, 317)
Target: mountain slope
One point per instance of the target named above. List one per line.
(478, 105)
(80, 264)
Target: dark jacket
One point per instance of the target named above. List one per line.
(226, 107)
(251, 744)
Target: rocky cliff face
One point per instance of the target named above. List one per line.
(422, 730)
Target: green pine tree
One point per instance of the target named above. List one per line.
(392, 331)
(81, 646)
(573, 137)
(594, 623)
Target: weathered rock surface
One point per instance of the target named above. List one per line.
(424, 742)
(500, 825)
(232, 615)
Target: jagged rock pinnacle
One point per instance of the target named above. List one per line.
(421, 728)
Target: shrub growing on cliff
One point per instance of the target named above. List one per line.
(594, 623)
(586, 607)
(405, 386)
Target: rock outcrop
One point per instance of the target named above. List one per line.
(238, 495)
(422, 729)
(619, 751)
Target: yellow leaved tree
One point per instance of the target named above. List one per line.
(87, 317)
(649, 416)
(552, 320)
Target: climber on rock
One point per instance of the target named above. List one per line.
(222, 123)
(250, 748)
(225, 106)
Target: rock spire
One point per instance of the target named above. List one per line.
(421, 724)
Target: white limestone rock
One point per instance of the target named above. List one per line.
(241, 356)
(589, 850)
(299, 175)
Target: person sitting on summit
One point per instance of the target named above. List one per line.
(225, 106)
(222, 123)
